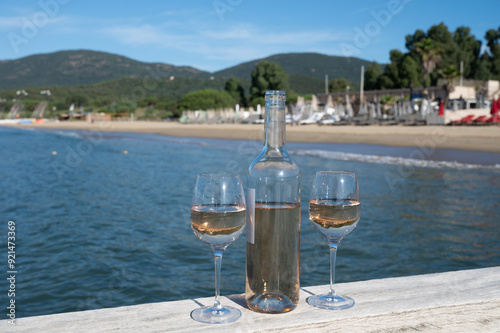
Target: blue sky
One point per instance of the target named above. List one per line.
(216, 34)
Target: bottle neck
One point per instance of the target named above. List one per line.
(275, 126)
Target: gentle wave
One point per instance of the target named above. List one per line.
(79, 134)
(71, 134)
(411, 162)
(328, 154)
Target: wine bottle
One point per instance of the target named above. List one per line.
(273, 226)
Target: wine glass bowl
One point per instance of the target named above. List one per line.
(218, 226)
(334, 211)
(334, 219)
(218, 217)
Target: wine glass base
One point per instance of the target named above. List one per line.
(210, 315)
(331, 302)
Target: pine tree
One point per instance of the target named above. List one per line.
(339, 85)
(372, 76)
(235, 89)
(493, 37)
(267, 76)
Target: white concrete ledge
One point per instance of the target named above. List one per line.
(462, 301)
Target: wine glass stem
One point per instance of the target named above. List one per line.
(333, 259)
(218, 263)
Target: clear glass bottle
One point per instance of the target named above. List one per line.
(273, 230)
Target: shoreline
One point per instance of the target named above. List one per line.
(477, 138)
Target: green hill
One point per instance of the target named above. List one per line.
(115, 91)
(99, 79)
(311, 64)
(81, 67)
(118, 95)
(306, 84)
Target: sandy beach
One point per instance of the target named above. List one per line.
(476, 138)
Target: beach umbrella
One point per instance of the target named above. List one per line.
(348, 107)
(494, 107)
(363, 111)
(373, 113)
(350, 111)
(498, 110)
(441, 109)
(340, 110)
(424, 107)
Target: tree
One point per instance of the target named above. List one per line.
(122, 107)
(453, 48)
(205, 100)
(339, 85)
(401, 72)
(444, 38)
(148, 101)
(268, 76)
(257, 101)
(166, 103)
(408, 72)
(372, 76)
(30, 104)
(235, 89)
(77, 100)
(468, 50)
(430, 54)
(386, 82)
(450, 73)
(492, 37)
(390, 79)
(412, 40)
(481, 68)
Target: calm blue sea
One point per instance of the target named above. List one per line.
(97, 227)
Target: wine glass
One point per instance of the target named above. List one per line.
(218, 218)
(334, 212)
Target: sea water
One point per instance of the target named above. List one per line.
(102, 218)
